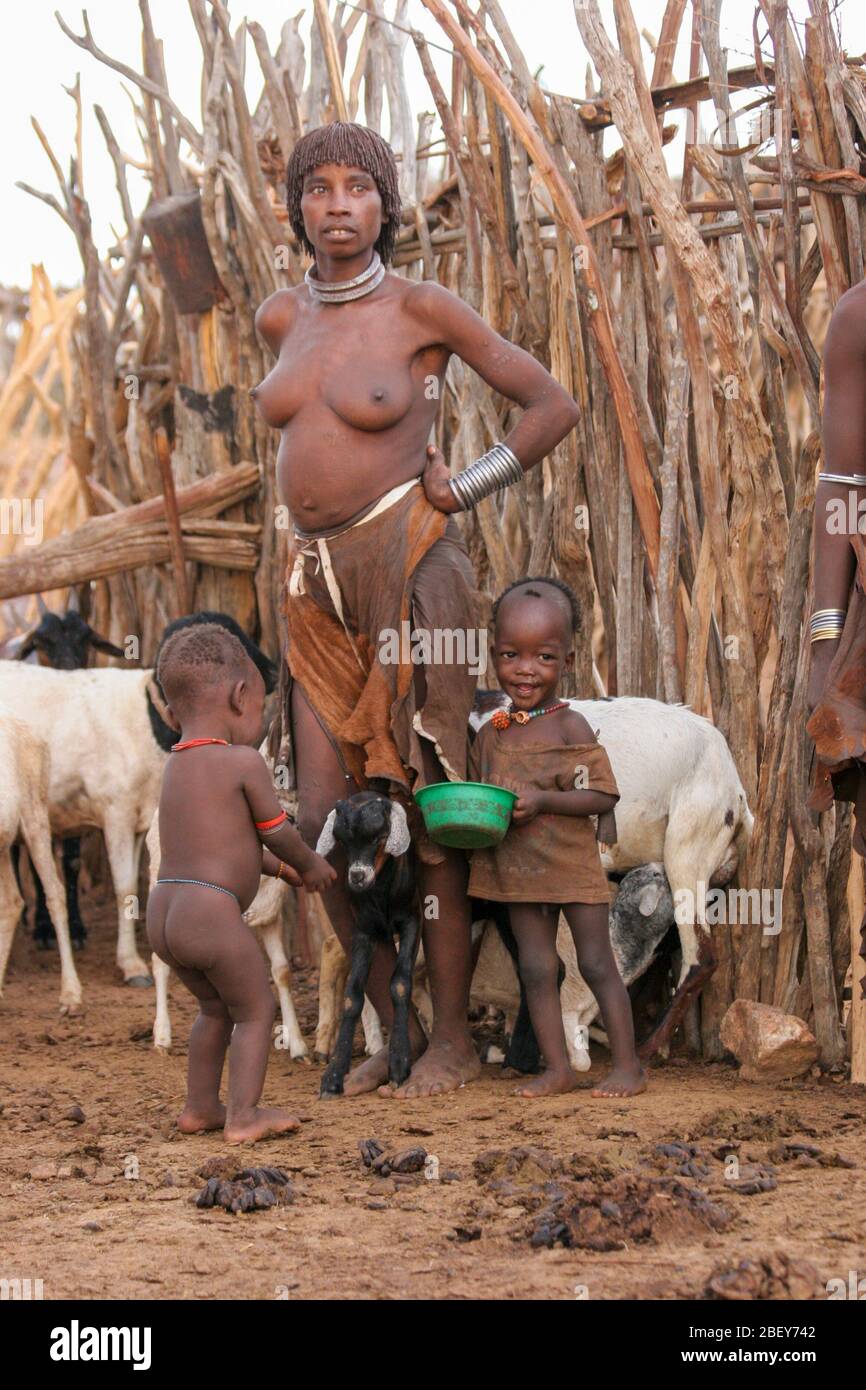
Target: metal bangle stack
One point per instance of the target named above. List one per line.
(496, 469)
(853, 479)
(826, 624)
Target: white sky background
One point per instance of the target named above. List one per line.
(40, 61)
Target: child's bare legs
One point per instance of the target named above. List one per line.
(591, 931)
(208, 1040)
(535, 932)
(203, 937)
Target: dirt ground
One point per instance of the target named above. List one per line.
(101, 1204)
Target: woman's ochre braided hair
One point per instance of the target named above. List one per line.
(349, 144)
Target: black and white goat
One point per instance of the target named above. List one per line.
(64, 642)
(380, 876)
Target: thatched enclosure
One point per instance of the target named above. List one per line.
(685, 312)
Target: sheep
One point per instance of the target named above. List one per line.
(380, 876)
(109, 742)
(681, 804)
(25, 760)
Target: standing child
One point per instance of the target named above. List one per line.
(549, 859)
(216, 807)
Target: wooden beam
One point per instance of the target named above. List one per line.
(596, 113)
(136, 536)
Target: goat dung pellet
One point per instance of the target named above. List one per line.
(275, 1177)
(254, 1189)
(409, 1160)
(370, 1150)
(206, 1197)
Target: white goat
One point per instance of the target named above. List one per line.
(681, 804)
(25, 760)
(105, 769)
(640, 917)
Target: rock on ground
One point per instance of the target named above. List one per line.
(769, 1044)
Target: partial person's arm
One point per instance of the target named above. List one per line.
(275, 831)
(274, 318)
(549, 410)
(273, 867)
(843, 428)
(584, 801)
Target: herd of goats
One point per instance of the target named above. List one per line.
(84, 747)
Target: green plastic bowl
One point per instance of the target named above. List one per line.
(468, 815)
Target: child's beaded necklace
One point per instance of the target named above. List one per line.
(502, 718)
(197, 743)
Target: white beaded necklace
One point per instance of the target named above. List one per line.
(338, 291)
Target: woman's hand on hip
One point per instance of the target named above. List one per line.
(435, 481)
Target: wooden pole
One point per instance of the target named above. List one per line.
(594, 295)
(332, 59)
(857, 1016)
(183, 604)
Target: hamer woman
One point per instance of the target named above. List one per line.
(361, 358)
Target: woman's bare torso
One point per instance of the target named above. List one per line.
(354, 393)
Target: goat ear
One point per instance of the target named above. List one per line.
(649, 899)
(28, 646)
(326, 841)
(102, 644)
(399, 839)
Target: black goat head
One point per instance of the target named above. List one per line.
(369, 826)
(64, 642)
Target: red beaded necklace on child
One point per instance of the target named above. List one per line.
(503, 717)
(263, 825)
(196, 743)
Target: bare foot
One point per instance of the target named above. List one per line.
(197, 1122)
(549, 1083)
(443, 1067)
(368, 1076)
(261, 1125)
(372, 1074)
(622, 1081)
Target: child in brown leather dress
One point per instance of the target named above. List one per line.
(217, 812)
(549, 859)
